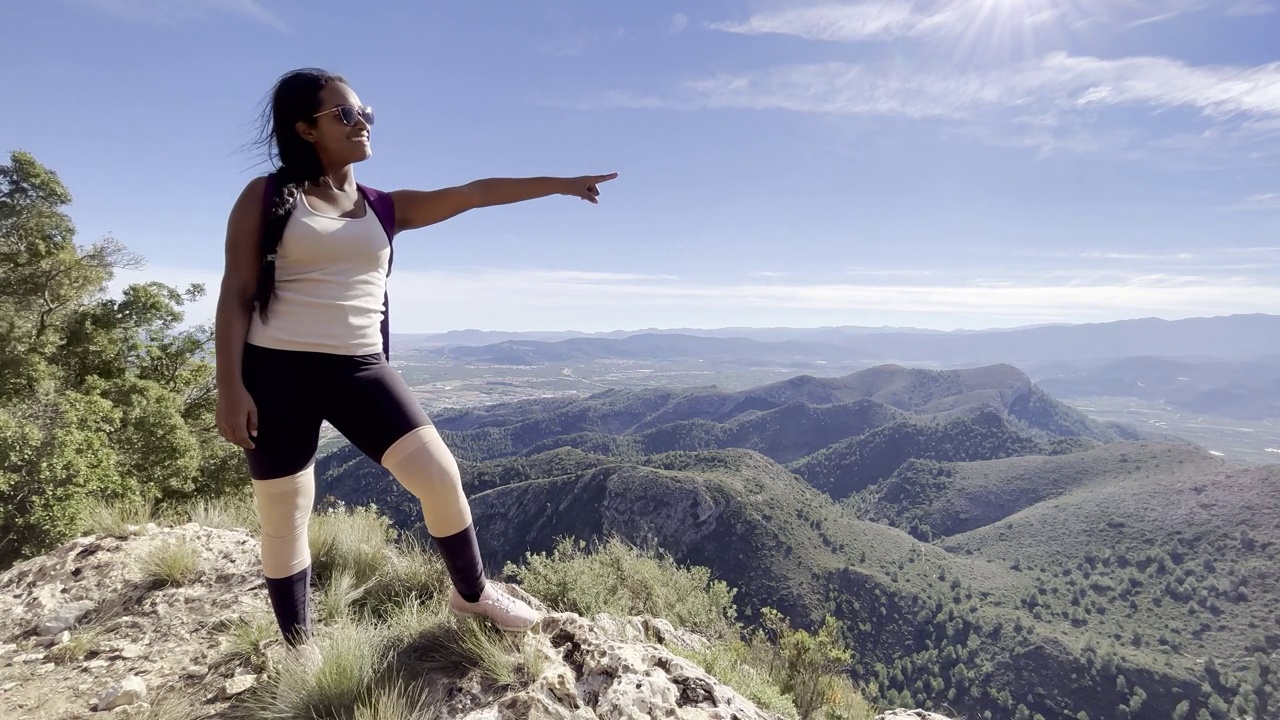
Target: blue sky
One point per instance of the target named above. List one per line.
(942, 163)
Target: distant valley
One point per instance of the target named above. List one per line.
(1228, 402)
(1239, 389)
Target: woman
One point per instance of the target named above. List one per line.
(300, 338)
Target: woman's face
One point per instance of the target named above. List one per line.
(337, 142)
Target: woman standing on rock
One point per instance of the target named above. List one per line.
(302, 337)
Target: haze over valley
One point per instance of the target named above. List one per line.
(1151, 374)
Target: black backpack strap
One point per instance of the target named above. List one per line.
(384, 207)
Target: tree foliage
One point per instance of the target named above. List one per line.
(101, 398)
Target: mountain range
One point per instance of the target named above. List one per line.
(988, 548)
(1226, 337)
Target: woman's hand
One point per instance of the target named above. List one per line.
(586, 187)
(237, 415)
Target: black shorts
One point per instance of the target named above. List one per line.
(361, 396)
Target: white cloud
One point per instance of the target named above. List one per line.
(884, 20)
(1259, 249)
(1250, 8)
(875, 20)
(170, 12)
(1157, 18)
(1057, 82)
(1263, 201)
(1214, 116)
(1096, 255)
(679, 22)
(531, 299)
(526, 299)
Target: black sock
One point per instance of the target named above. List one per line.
(461, 553)
(291, 602)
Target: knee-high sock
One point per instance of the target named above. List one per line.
(284, 511)
(423, 464)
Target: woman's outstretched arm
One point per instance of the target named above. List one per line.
(419, 208)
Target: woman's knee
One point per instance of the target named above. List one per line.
(421, 462)
(284, 511)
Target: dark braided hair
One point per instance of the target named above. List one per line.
(294, 98)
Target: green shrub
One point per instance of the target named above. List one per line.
(113, 519)
(355, 541)
(171, 562)
(354, 657)
(235, 511)
(730, 663)
(619, 579)
(412, 575)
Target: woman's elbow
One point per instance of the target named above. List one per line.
(236, 293)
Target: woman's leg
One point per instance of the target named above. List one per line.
(376, 411)
(421, 462)
(282, 464)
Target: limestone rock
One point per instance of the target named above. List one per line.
(592, 674)
(132, 650)
(129, 690)
(904, 714)
(237, 685)
(95, 583)
(195, 671)
(647, 629)
(65, 618)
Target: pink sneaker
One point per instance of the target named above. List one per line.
(503, 610)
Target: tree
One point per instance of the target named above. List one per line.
(43, 274)
(100, 397)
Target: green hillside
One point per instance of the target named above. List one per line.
(860, 462)
(1175, 555)
(930, 627)
(935, 499)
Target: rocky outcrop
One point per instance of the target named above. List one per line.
(83, 629)
(85, 633)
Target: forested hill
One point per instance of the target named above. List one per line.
(785, 420)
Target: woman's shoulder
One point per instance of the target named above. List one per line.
(253, 194)
(255, 184)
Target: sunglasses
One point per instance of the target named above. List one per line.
(349, 114)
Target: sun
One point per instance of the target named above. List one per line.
(1005, 30)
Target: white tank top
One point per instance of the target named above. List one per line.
(331, 274)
